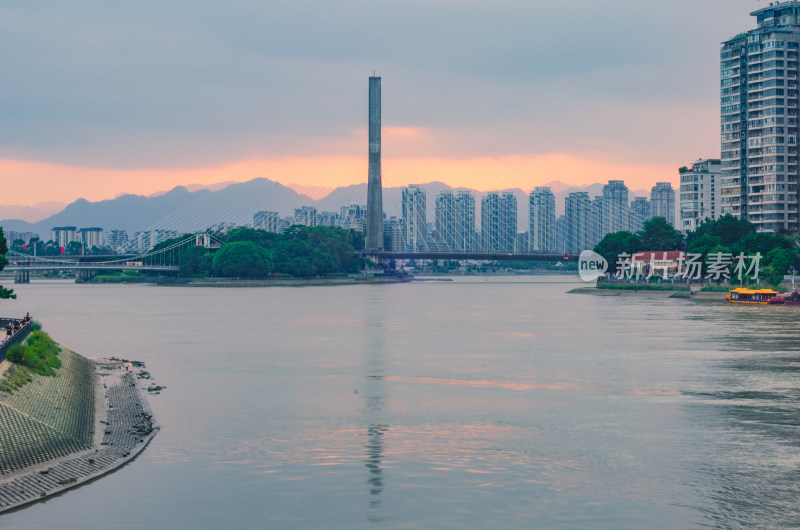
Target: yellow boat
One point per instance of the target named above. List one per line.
(754, 296)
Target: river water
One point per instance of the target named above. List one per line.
(484, 402)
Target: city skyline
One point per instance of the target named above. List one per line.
(64, 143)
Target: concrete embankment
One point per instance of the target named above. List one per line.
(59, 432)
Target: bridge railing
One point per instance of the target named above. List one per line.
(16, 338)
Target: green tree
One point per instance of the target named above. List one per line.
(35, 246)
(304, 251)
(242, 259)
(728, 228)
(18, 245)
(778, 262)
(762, 243)
(241, 233)
(703, 244)
(51, 249)
(299, 266)
(658, 234)
(207, 265)
(74, 248)
(173, 256)
(4, 293)
(190, 260)
(616, 243)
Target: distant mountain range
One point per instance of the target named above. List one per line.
(32, 214)
(184, 210)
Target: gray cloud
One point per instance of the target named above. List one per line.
(140, 84)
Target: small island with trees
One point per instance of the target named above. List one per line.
(728, 235)
(301, 255)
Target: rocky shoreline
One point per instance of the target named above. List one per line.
(124, 426)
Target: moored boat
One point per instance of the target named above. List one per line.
(742, 295)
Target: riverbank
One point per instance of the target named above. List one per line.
(241, 282)
(64, 431)
(661, 293)
(289, 282)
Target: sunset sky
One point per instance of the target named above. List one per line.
(103, 98)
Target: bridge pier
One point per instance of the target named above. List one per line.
(84, 275)
(22, 276)
(377, 260)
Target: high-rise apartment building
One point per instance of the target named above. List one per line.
(542, 229)
(580, 222)
(498, 222)
(305, 215)
(395, 229)
(414, 204)
(662, 201)
(117, 239)
(699, 193)
(328, 219)
(25, 237)
(91, 237)
(455, 221)
(640, 212)
(63, 235)
(266, 220)
(143, 241)
(614, 210)
(353, 217)
(759, 111)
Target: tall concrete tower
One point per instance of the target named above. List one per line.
(374, 240)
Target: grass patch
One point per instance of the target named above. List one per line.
(38, 353)
(15, 378)
(644, 287)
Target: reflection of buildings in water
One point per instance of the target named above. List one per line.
(374, 448)
(374, 404)
(374, 443)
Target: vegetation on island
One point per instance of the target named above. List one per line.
(780, 253)
(300, 251)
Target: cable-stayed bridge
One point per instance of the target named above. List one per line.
(461, 236)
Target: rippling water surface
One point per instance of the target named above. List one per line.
(499, 402)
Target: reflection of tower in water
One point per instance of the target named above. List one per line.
(374, 405)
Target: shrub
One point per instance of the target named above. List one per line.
(38, 352)
(15, 353)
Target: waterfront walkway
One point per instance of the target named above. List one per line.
(85, 447)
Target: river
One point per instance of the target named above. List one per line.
(482, 402)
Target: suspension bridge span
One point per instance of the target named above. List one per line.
(163, 260)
